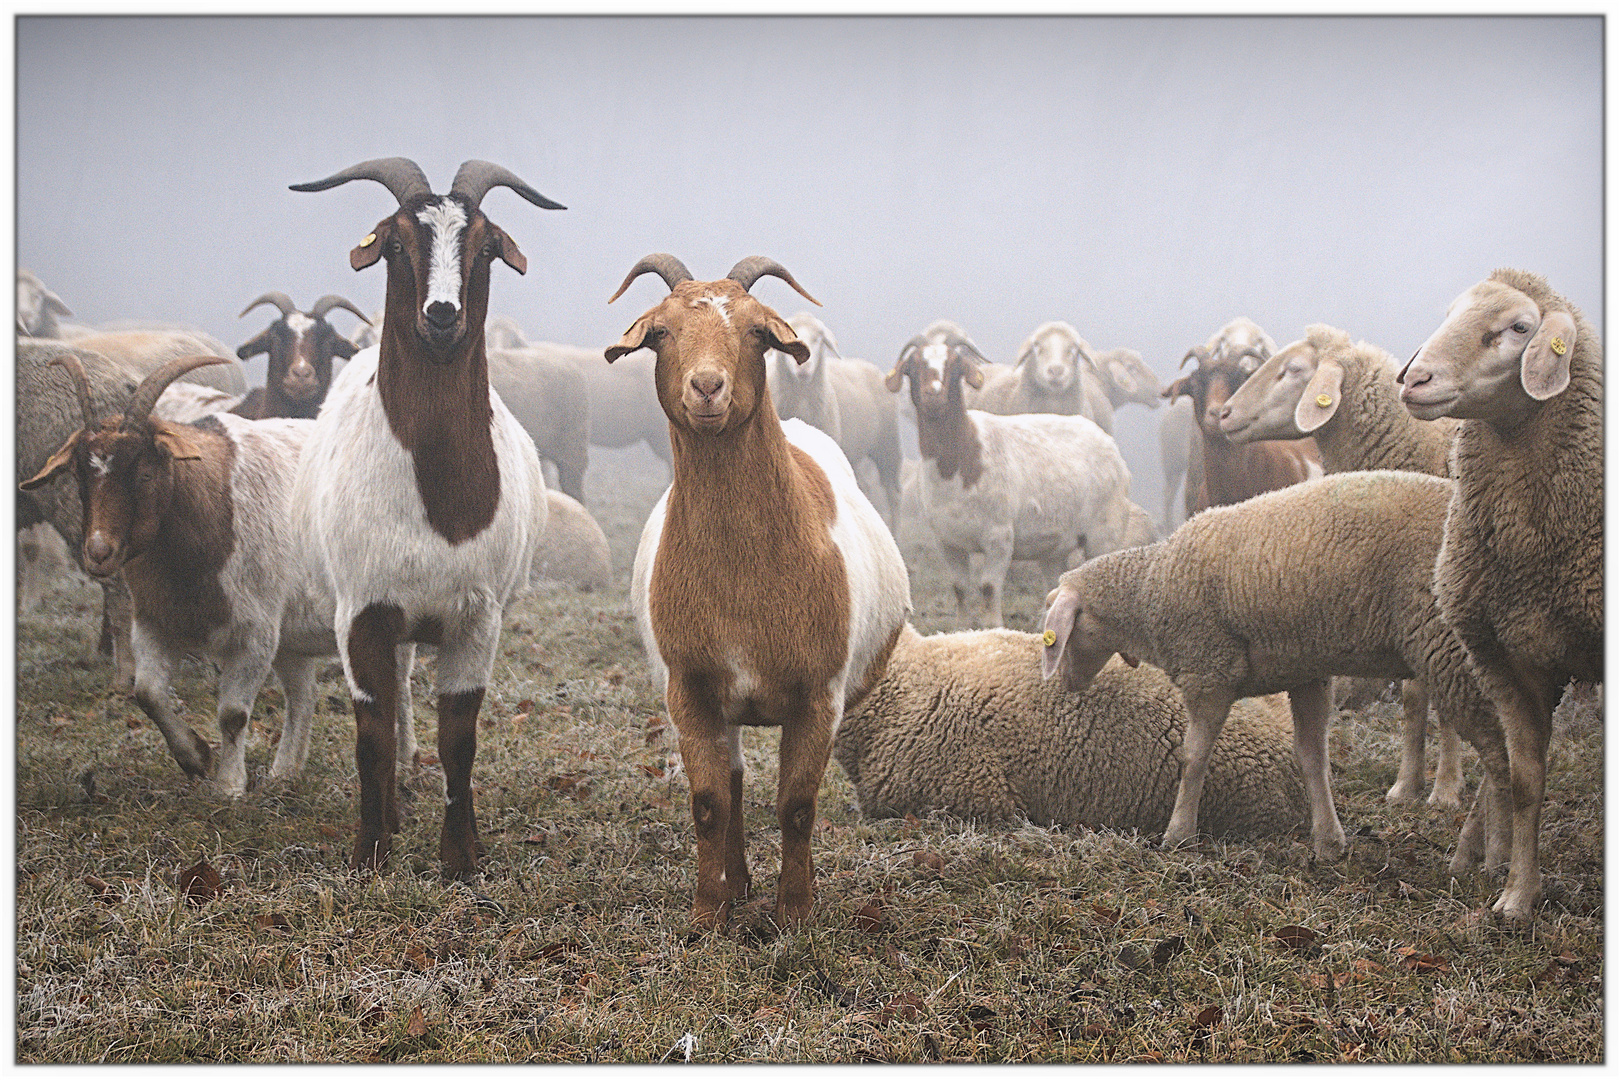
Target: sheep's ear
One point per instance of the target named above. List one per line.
(57, 464)
(1544, 367)
(1321, 397)
(1025, 351)
(54, 303)
(260, 344)
(179, 441)
(633, 338)
(782, 337)
(370, 248)
(1121, 375)
(508, 253)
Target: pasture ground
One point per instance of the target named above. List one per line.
(932, 939)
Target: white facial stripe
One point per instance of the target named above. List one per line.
(719, 303)
(299, 323)
(934, 356)
(445, 221)
(100, 464)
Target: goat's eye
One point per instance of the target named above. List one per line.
(395, 247)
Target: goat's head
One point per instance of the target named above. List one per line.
(124, 466)
(938, 363)
(1496, 355)
(300, 348)
(1209, 385)
(438, 247)
(710, 338)
(1051, 358)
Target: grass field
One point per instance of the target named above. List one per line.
(932, 939)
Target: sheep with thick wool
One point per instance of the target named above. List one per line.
(964, 723)
(573, 549)
(1520, 575)
(1280, 593)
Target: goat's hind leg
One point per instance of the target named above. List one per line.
(240, 678)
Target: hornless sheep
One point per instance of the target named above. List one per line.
(1280, 593)
(756, 511)
(142, 352)
(301, 348)
(1032, 486)
(573, 549)
(964, 723)
(38, 307)
(1520, 575)
(1344, 396)
(415, 495)
(1050, 375)
(545, 387)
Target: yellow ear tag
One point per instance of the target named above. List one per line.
(371, 238)
(1049, 638)
(1558, 346)
(1323, 400)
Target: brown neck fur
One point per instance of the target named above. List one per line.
(945, 436)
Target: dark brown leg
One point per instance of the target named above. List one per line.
(372, 637)
(458, 744)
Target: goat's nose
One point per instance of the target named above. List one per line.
(708, 383)
(97, 549)
(442, 314)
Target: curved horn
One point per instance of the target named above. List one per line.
(1197, 352)
(152, 387)
(751, 269)
(282, 301)
(330, 301)
(402, 177)
(962, 344)
(81, 383)
(666, 266)
(475, 178)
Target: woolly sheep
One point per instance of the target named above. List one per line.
(964, 723)
(143, 351)
(1280, 593)
(1520, 575)
(545, 387)
(573, 548)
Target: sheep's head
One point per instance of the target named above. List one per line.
(1496, 355)
(438, 247)
(817, 338)
(710, 338)
(124, 466)
(1051, 358)
(1072, 638)
(938, 362)
(1131, 379)
(1293, 393)
(301, 347)
(37, 306)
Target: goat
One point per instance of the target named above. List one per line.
(416, 489)
(756, 510)
(300, 348)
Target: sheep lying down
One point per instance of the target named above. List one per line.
(963, 723)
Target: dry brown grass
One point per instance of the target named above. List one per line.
(932, 939)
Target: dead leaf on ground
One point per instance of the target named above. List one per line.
(869, 917)
(928, 860)
(102, 891)
(1107, 916)
(1208, 1016)
(1412, 960)
(1298, 938)
(1168, 950)
(417, 1026)
(272, 921)
(199, 884)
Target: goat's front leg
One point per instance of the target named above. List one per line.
(1206, 715)
(154, 672)
(806, 742)
(240, 677)
(1311, 704)
(368, 658)
(706, 742)
(461, 672)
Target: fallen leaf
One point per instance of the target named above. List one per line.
(901, 1007)
(417, 1027)
(1105, 915)
(1131, 957)
(1168, 950)
(525, 706)
(1412, 960)
(1298, 938)
(101, 890)
(654, 771)
(928, 860)
(1208, 1016)
(518, 718)
(272, 921)
(869, 917)
(199, 884)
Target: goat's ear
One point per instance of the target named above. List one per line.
(1544, 367)
(260, 344)
(508, 250)
(370, 249)
(342, 346)
(971, 374)
(895, 379)
(1182, 386)
(634, 338)
(55, 465)
(782, 338)
(1321, 398)
(179, 441)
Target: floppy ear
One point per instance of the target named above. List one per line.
(370, 249)
(58, 463)
(1544, 367)
(179, 441)
(783, 338)
(342, 346)
(1063, 606)
(1181, 387)
(509, 253)
(633, 338)
(54, 303)
(1321, 397)
(1025, 351)
(260, 344)
(1121, 375)
(895, 379)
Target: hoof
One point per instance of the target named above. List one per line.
(1403, 792)
(370, 854)
(709, 916)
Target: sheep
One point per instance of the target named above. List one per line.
(546, 390)
(301, 347)
(573, 549)
(964, 723)
(195, 519)
(1051, 375)
(38, 307)
(756, 510)
(144, 351)
(42, 557)
(1344, 396)
(1179, 443)
(845, 398)
(1280, 593)
(183, 402)
(1032, 486)
(1520, 574)
(415, 494)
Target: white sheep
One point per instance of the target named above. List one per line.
(1280, 593)
(1032, 486)
(757, 511)
(38, 308)
(142, 352)
(545, 388)
(1344, 396)
(1520, 575)
(573, 549)
(964, 723)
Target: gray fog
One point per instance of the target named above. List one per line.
(1146, 179)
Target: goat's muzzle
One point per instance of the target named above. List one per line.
(707, 399)
(101, 559)
(300, 383)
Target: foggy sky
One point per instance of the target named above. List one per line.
(1145, 179)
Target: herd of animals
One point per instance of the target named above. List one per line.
(1437, 522)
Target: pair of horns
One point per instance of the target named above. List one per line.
(745, 273)
(954, 341)
(405, 180)
(151, 388)
(284, 304)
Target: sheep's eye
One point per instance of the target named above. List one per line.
(1521, 327)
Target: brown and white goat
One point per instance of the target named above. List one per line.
(299, 347)
(766, 588)
(416, 492)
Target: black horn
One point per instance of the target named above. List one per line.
(475, 178)
(152, 387)
(960, 344)
(666, 266)
(330, 301)
(751, 269)
(81, 383)
(282, 301)
(402, 177)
